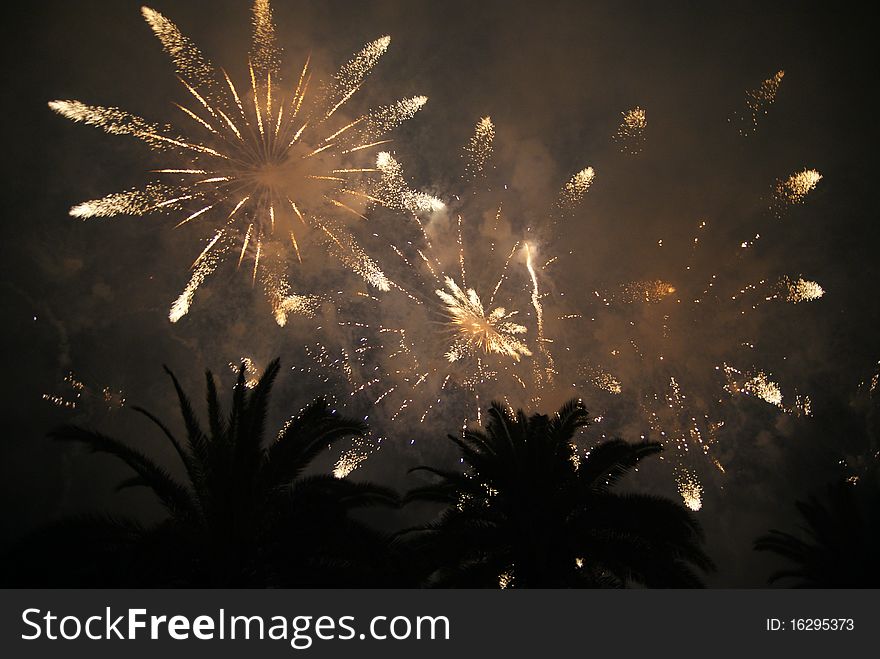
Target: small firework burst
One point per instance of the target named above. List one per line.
(631, 134)
(479, 148)
(794, 190)
(690, 489)
(577, 186)
(801, 290)
(758, 102)
(478, 330)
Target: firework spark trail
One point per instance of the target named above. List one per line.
(479, 148)
(362, 448)
(600, 379)
(690, 488)
(574, 190)
(153, 197)
(801, 290)
(325, 362)
(395, 191)
(352, 74)
(203, 267)
(651, 291)
(119, 122)
(794, 190)
(793, 291)
(272, 154)
(760, 385)
(80, 394)
(787, 193)
(348, 251)
(251, 371)
(758, 102)
(630, 135)
(188, 60)
(544, 371)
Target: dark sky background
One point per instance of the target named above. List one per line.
(92, 297)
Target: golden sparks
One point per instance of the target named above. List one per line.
(795, 188)
(758, 102)
(478, 330)
(251, 372)
(80, 393)
(801, 290)
(576, 187)
(758, 384)
(690, 489)
(479, 148)
(651, 291)
(630, 135)
(262, 165)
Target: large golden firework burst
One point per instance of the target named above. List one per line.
(261, 165)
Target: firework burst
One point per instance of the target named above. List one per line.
(630, 135)
(801, 290)
(268, 168)
(476, 294)
(680, 395)
(467, 324)
(794, 189)
(477, 330)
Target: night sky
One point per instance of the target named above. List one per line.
(92, 297)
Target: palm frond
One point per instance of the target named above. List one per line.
(198, 444)
(174, 496)
(216, 422)
(194, 470)
(303, 438)
(251, 430)
(611, 460)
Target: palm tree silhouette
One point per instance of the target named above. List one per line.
(247, 514)
(526, 514)
(839, 540)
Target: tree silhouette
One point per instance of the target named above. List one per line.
(839, 540)
(525, 513)
(247, 513)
